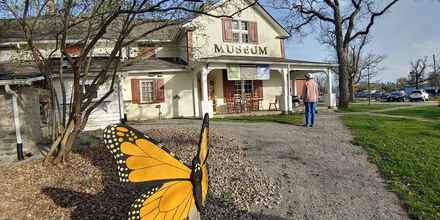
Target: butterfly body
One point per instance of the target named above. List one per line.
(174, 190)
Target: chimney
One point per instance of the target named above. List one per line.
(51, 7)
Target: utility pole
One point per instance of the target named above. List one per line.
(369, 88)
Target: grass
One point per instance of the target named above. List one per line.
(295, 119)
(366, 108)
(408, 153)
(426, 112)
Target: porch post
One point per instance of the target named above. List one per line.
(289, 91)
(205, 105)
(195, 94)
(330, 98)
(284, 104)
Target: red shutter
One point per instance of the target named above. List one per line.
(227, 29)
(228, 86)
(258, 88)
(159, 95)
(253, 33)
(135, 91)
(189, 47)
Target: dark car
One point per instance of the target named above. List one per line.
(398, 96)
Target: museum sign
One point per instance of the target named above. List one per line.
(240, 49)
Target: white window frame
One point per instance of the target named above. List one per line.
(142, 98)
(240, 31)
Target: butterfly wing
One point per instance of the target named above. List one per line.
(200, 169)
(203, 155)
(140, 158)
(169, 201)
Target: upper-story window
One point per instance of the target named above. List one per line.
(240, 31)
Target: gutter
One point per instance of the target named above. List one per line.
(15, 110)
(20, 81)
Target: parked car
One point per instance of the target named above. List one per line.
(418, 95)
(397, 96)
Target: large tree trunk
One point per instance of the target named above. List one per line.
(344, 93)
(351, 89)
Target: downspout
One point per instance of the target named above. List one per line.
(15, 110)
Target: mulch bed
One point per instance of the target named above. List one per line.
(87, 187)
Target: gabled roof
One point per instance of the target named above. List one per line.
(46, 29)
(280, 28)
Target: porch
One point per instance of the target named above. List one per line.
(219, 94)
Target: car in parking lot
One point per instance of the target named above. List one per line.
(418, 95)
(396, 96)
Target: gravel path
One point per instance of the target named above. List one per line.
(322, 175)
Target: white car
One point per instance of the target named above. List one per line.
(417, 95)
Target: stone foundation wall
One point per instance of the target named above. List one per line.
(30, 122)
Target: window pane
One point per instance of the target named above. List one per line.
(147, 91)
(235, 25)
(244, 25)
(236, 37)
(237, 85)
(245, 38)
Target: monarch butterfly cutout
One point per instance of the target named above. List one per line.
(174, 189)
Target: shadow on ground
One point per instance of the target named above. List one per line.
(115, 198)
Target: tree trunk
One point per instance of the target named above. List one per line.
(344, 97)
(63, 144)
(351, 89)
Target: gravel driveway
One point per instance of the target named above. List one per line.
(322, 175)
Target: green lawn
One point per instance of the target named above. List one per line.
(408, 154)
(427, 112)
(366, 108)
(295, 119)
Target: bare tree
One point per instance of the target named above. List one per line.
(85, 24)
(359, 61)
(417, 74)
(345, 20)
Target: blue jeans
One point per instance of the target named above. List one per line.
(310, 113)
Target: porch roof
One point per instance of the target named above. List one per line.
(265, 60)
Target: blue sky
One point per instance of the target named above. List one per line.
(409, 31)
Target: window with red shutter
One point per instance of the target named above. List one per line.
(135, 91)
(227, 29)
(253, 33)
(159, 91)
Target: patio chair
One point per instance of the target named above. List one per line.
(238, 105)
(230, 105)
(274, 104)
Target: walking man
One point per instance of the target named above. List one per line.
(310, 98)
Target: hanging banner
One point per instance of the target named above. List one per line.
(263, 72)
(234, 72)
(248, 72)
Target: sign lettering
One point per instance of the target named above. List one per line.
(240, 49)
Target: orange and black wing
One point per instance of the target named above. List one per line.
(169, 201)
(200, 169)
(140, 158)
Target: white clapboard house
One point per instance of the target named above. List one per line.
(206, 65)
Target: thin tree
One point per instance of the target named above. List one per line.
(85, 25)
(417, 74)
(346, 20)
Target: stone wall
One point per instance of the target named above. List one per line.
(28, 102)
